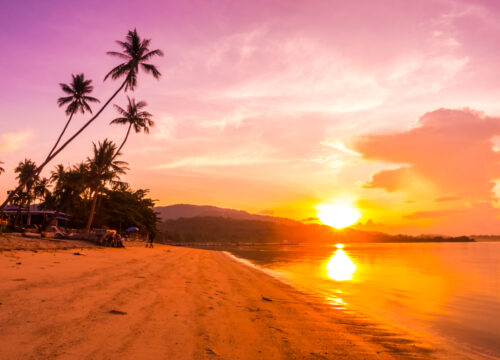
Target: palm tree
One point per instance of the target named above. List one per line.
(25, 170)
(133, 116)
(103, 169)
(69, 186)
(41, 189)
(136, 53)
(77, 99)
(25, 175)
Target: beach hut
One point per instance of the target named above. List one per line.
(34, 216)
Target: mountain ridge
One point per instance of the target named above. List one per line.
(177, 211)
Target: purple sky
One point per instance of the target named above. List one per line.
(277, 106)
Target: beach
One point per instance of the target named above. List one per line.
(173, 303)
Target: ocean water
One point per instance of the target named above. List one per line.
(450, 291)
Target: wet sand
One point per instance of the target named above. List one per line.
(172, 303)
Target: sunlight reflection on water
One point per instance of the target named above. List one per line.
(340, 267)
(447, 290)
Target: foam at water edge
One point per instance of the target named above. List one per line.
(275, 274)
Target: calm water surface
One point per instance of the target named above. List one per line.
(448, 290)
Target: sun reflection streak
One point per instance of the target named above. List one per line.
(340, 267)
(337, 302)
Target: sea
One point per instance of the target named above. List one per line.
(448, 291)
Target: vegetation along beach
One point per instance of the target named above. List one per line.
(249, 180)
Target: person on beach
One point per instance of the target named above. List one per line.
(150, 240)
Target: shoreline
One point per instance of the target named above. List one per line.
(173, 302)
(405, 331)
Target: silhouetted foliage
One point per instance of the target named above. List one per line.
(226, 230)
(135, 117)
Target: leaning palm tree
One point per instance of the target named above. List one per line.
(77, 99)
(103, 169)
(135, 117)
(136, 53)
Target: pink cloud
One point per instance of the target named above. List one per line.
(451, 148)
(390, 180)
(447, 198)
(453, 151)
(480, 218)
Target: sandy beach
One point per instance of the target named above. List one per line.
(172, 303)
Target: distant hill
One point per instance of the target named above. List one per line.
(226, 230)
(173, 212)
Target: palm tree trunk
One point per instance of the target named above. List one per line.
(62, 133)
(28, 220)
(123, 143)
(98, 206)
(92, 210)
(53, 155)
(19, 209)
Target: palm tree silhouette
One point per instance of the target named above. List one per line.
(103, 169)
(25, 175)
(77, 99)
(136, 53)
(134, 117)
(68, 184)
(41, 189)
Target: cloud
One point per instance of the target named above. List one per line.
(479, 218)
(14, 141)
(447, 198)
(310, 219)
(446, 152)
(432, 214)
(452, 149)
(390, 180)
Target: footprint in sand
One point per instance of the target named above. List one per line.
(117, 312)
(210, 352)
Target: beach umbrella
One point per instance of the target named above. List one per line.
(132, 229)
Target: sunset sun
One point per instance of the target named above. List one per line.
(338, 215)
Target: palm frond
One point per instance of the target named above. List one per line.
(66, 88)
(64, 100)
(118, 54)
(91, 99)
(151, 69)
(150, 54)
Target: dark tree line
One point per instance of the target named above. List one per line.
(232, 231)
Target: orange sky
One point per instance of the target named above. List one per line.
(276, 107)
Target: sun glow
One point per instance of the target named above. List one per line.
(338, 215)
(340, 267)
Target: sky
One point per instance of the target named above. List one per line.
(276, 107)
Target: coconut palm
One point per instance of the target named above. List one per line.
(77, 99)
(41, 189)
(134, 117)
(136, 53)
(25, 171)
(103, 169)
(69, 186)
